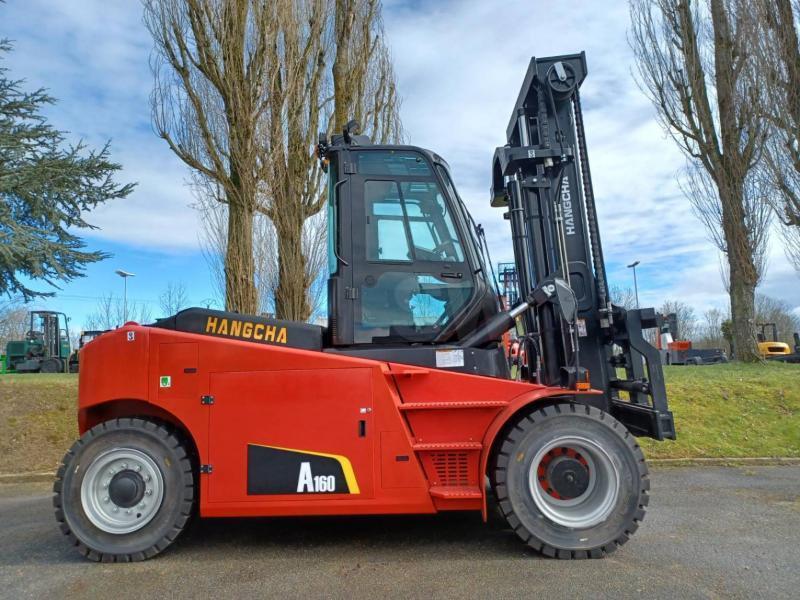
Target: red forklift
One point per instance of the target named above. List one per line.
(405, 402)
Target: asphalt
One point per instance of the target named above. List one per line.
(710, 533)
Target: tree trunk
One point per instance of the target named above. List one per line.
(291, 301)
(240, 289)
(342, 92)
(743, 273)
(742, 293)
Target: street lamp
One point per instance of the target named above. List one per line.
(125, 275)
(635, 284)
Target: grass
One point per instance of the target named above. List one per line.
(38, 420)
(730, 410)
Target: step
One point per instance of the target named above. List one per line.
(436, 446)
(456, 493)
(453, 405)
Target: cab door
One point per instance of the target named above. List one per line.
(294, 435)
(410, 273)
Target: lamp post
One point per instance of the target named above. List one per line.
(635, 284)
(125, 275)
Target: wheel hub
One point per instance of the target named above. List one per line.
(574, 482)
(568, 477)
(126, 489)
(122, 490)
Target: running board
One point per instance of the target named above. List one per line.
(440, 446)
(456, 492)
(453, 405)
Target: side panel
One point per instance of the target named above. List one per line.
(115, 367)
(271, 428)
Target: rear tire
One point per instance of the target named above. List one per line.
(571, 481)
(124, 491)
(51, 365)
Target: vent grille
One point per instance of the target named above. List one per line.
(451, 468)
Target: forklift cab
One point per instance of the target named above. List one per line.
(404, 259)
(48, 334)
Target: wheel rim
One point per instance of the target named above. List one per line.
(574, 482)
(122, 490)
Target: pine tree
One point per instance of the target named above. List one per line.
(46, 187)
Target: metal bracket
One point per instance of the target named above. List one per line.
(536, 182)
(206, 399)
(207, 469)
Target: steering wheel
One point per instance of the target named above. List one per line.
(440, 248)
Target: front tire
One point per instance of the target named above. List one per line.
(571, 481)
(51, 365)
(124, 491)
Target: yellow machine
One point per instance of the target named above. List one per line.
(768, 347)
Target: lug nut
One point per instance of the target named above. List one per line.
(106, 499)
(149, 492)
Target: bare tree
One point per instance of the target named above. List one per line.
(791, 245)
(702, 192)
(242, 88)
(109, 313)
(14, 322)
(173, 299)
(695, 62)
(710, 333)
(688, 328)
(368, 95)
(771, 310)
(213, 240)
(623, 296)
(779, 66)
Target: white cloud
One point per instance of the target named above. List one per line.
(460, 65)
(93, 57)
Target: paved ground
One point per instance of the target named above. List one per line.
(711, 532)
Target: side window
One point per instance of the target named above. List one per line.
(386, 230)
(431, 225)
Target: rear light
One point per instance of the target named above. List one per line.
(585, 385)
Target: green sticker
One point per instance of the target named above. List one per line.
(165, 381)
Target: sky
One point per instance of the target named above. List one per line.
(459, 66)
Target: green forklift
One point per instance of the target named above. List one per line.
(46, 347)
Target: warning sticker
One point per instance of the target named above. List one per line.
(581, 323)
(165, 381)
(449, 358)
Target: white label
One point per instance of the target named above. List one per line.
(449, 358)
(165, 381)
(581, 327)
(131, 336)
(307, 482)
